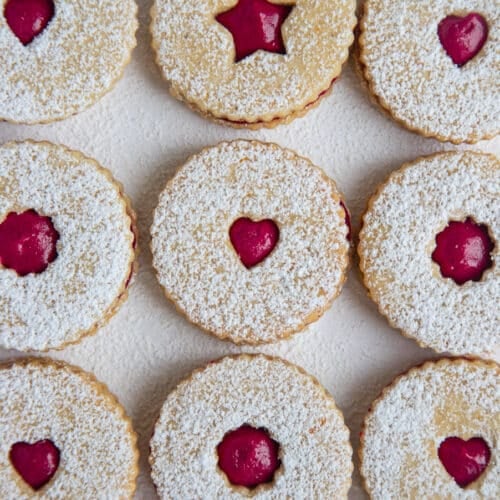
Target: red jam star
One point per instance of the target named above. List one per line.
(256, 25)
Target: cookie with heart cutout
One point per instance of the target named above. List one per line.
(435, 433)
(432, 65)
(429, 251)
(252, 63)
(67, 246)
(250, 241)
(251, 426)
(59, 57)
(62, 434)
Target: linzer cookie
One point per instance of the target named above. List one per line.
(67, 246)
(435, 433)
(433, 65)
(250, 241)
(62, 435)
(59, 57)
(429, 251)
(252, 63)
(251, 426)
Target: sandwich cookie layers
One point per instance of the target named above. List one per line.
(249, 241)
(429, 251)
(62, 435)
(433, 65)
(58, 57)
(251, 425)
(434, 433)
(252, 63)
(67, 246)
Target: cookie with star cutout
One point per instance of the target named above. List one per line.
(252, 63)
(250, 241)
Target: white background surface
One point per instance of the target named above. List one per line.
(142, 134)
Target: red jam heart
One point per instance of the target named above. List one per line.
(35, 463)
(28, 18)
(27, 242)
(464, 461)
(253, 241)
(255, 25)
(463, 37)
(248, 456)
(463, 251)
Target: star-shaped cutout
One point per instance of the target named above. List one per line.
(256, 25)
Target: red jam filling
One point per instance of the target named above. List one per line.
(463, 251)
(464, 461)
(27, 242)
(35, 463)
(255, 25)
(28, 18)
(248, 457)
(347, 220)
(253, 241)
(463, 37)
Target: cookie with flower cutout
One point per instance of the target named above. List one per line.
(434, 433)
(429, 251)
(251, 426)
(433, 65)
(250, 241)
(67, 246)
(252, 63)
(63, 435)
(59, 57)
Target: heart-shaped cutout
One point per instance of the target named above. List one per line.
(253, 241)
(28, 18)
(463, 37)
(35, 463)
(464, 461)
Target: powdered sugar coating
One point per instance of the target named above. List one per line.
(72, 63)
(412, 76)
(196, 55)
(398, 238)
(41, 399)
(262, 392)
(405, 427)
(95, 249)
(196, 262)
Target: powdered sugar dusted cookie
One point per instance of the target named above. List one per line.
(62, 435)
(251, 425)
(67, 246)
(59, 57)
(433, 65)
(429, 251)
(252, 63)
(434, 433)
(250, 241)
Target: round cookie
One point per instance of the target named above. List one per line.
(434, 433)
(76, 53)
(63, 434)
(433, 65)
(249, 241)
(67, 246)
(252, 63)
(429, 251)
(250, 394)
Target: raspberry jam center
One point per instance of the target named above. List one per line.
(27, 242)
(465, 461)
(463, 37)
(463, 251)
(28, 18)
(35, 463)
(253, 241)
(255, 25)
(248, 456)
